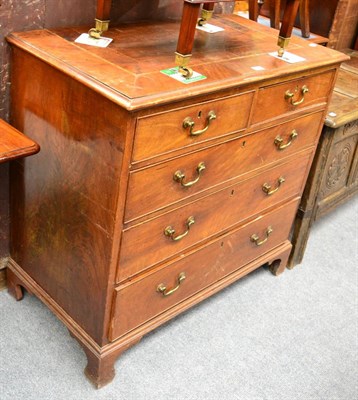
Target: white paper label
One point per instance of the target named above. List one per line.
(209, 28)
(258, 68)
(288, 57)
(86, 39)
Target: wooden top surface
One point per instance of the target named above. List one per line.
(128, 71)
(13, 144)
(206, 1)
(343, 107)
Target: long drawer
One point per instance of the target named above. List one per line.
(148, 296)
(278, 100)
(152, 242)
(180, 128)
(156, 187)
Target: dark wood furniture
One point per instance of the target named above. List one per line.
(150, 195)
(189, 21)
(274, 7)
(333, 178)
(335, 21)
(288, 18)
(190, 7)
(343, 26)
(13, 145)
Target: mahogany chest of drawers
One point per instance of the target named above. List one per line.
(149, 194)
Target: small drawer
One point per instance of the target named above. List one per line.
(150, 295)
(149, 243)
(278, 100)
(180, 128)
(155, 187)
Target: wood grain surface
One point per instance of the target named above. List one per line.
(145, 244)
(138, 302)
(22, 16)
(129, 69)
(223, 164)
(60, 216)
(71, 241)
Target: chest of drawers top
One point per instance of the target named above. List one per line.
(128, 71)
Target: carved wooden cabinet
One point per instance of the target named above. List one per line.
(150, 194)
(333, 178)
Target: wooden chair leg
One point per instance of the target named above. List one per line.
(305, 18)
(253, 10)
(103, 9)
(206, 13)
(275, 7)
(102, 18)
(186, 37)
(288, 20)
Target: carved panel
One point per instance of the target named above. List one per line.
(353, 181)
(338, 166)
(351, 128)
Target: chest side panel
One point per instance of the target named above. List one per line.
(64, 200)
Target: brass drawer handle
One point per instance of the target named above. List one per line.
(279, 141)
(163, 289)
(189, 123)
(180, 176)
(289, 96)
(266, 187)
(170, 232)
(254, 238)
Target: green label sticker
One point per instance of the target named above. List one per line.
(175, 74)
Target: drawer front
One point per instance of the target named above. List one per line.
(152, 242)
(278, 100)
(140, 301)
(181, 128)
(154, 188)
